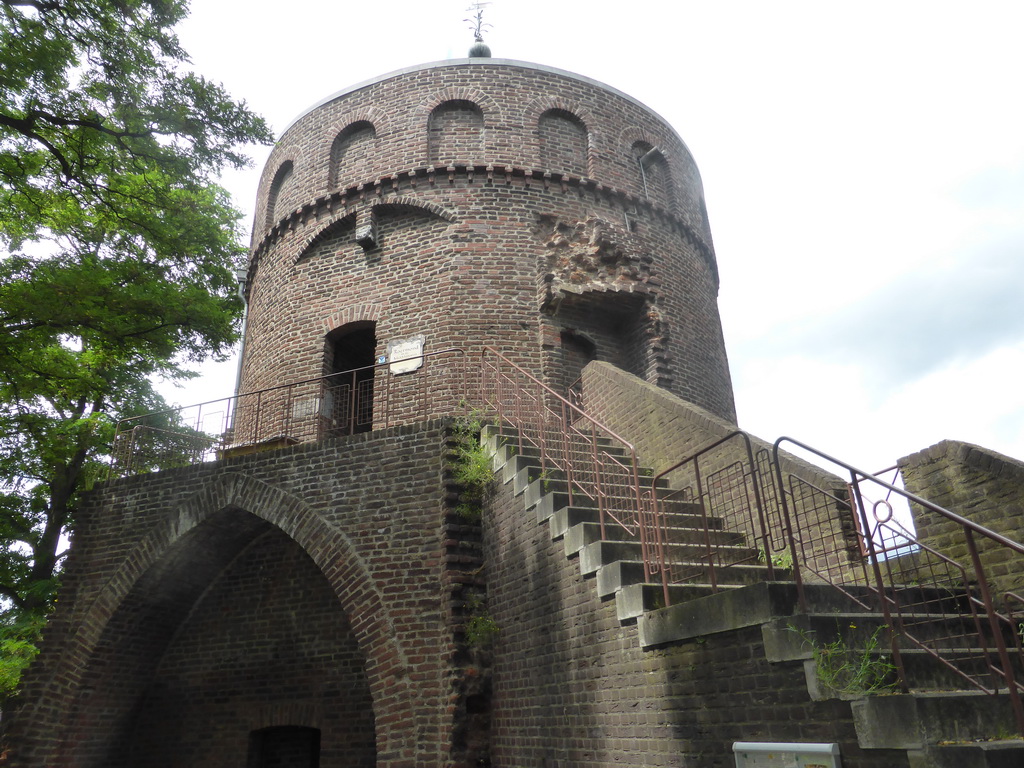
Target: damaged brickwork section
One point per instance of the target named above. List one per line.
(594, 254)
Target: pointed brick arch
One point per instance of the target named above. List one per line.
(330, 549)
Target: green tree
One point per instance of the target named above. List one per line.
(118, 255)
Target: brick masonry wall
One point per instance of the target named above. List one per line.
(981, 485)
(307, 586)
(573, 688)
(474, 253)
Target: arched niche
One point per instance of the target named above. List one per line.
(352, 153)
(455, 133)
(564, 143)
(278, 192)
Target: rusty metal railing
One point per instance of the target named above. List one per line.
(371, 397)
(930, 601)
(600, 469)
(719, 483)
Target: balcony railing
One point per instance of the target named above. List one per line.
(372, 397)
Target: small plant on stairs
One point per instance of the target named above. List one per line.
(850, 671)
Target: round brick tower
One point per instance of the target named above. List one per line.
(485, 202)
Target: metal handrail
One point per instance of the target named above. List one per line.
(564, 433)
(888, 591)
(300, 411)
(660, 521)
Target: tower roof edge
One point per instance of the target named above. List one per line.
(477, 62)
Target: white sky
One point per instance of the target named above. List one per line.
(863, 165)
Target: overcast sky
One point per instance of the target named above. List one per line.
(863, 165)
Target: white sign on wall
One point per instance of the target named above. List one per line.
(406, 355)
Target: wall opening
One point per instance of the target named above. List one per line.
(597, 325)
(577, 350)
(234, 628)
(284, 746)
(351, 354)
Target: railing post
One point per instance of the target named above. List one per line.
(707, 532)
(787, 523)
(884, 599)
(1009, 678)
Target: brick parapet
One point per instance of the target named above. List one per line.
(666, 429)
(979, 484)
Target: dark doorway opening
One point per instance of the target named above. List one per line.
(577, 350)
(351, 354)
(284, 746)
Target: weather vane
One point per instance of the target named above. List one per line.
(476, 21)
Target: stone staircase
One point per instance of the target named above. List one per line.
(940, 723)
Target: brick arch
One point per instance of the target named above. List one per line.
(412, 202)
(493, 114)
(336, 223)
(332, 224)
(532, 113)
(331, 551)
(490, 116)
(380, 120)
(629, 137)
(355, 313)
(282, 176)
(371, 118)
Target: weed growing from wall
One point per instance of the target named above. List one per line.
(783, 559)
(471, 466)
(481, 629)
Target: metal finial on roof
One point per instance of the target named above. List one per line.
(480, 50)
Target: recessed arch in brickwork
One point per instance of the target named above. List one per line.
(564, 143)
(355, 313)
(567, 109)
(278, 193)
(343, 223)
(409, 201)
(202, 534)
(455, 133)
(352, 153)
(660, 189)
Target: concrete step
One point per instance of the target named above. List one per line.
(917, 721)
(585, 533)
(1001, 753)
(566, 517)
(616, 575)
(634, 600)
(683, 557)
